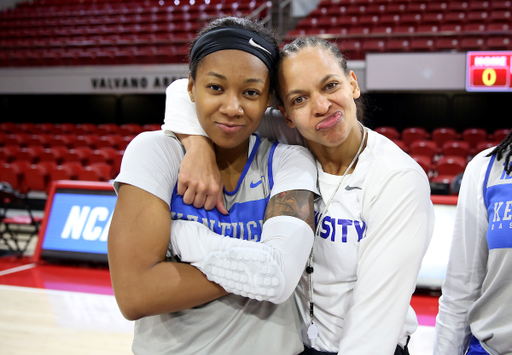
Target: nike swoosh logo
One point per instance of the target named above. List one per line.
(254, 44)
(348, 188)
(254, 184)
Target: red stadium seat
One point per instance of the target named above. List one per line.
(105, 168)
(448, 43)
(423, 147)
(426, 44)
(123, 143)
(473, 136)
(62, 172)
(74, 155)
(91, 173)
(425, 162)
(12, 175)
(86, 152)
(48, 165)
(443, 134)
(39, 139)
(75, 167)
(8, 127)
(36, 178)
(87, 140)
(374, 45)
(13, 139)
(111, 152)
(400, 143)
(484, 145)
(26, 154)
(107, 128)
(61, 141)
(473, 43)
(399, 45)
(52, 154)
(152, 127)
(500, 134)
(390, 132)
(28, 127)
(8, 153)
(499, 43)
(130, 128)
(98, 156)
(412, 134)
(451, 165)
(456, 148)
(116, 163)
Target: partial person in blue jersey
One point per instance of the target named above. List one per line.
(226, 287)
(475, 309)
(374, 219)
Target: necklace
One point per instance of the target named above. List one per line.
(312, 329)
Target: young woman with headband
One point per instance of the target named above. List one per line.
(256, 252)
(475, 312)
(374, 218)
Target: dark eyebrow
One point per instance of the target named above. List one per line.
(222, 77)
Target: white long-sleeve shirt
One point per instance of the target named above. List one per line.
(477, 291)
(372, 241)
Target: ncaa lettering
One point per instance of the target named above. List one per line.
(338, 228)
(83, 222)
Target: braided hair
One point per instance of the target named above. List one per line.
(308, 42)
(505, 147)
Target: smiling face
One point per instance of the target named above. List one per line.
(318, 97)
(231, 92)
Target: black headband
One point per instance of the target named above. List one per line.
(235, 38)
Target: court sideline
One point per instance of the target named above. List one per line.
(70, 309)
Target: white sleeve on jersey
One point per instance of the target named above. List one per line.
(151, 162)
(400, 218)
(467, 263)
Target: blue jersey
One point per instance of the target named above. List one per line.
(498, 201)
(246, 204)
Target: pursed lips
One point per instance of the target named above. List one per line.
(329, 122)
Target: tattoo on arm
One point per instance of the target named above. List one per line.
(296, 203)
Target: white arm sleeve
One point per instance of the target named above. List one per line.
(180, 112)
(467, 264)
(268, 271)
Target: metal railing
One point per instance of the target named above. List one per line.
(267, 20)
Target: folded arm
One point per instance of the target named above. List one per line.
(269, 270)
(144, 282)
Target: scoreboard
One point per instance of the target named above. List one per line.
(489, 71)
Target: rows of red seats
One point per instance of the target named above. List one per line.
(444, 152)
(403, 26)
(33, 155)
(67, 33)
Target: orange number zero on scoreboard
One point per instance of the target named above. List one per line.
(490, 77)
